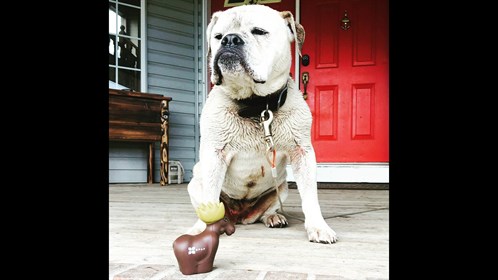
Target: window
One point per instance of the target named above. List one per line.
(125, 41)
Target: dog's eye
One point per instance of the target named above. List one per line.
(218, 36)
(258, 31)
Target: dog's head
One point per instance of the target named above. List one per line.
(249, 49)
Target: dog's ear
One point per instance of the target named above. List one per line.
(215, 77)
(212, 22)
(296, 30)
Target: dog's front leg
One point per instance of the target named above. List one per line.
(304, 168)
(214, 168)
(207, 180)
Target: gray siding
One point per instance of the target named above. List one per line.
(174, 70)
(127, 162)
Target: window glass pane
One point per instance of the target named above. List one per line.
(112, 74)
(229, 3)
(112, 49)
(129, 79)
(113, 29)
(129, 21)
(128, 52)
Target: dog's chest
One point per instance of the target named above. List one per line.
(249, 174)
(251, 136)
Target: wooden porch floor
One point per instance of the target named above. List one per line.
(144, 220)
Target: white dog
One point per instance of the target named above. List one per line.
(254, 122)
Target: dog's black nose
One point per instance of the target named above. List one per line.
(232, 40)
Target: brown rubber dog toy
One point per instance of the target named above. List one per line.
(195, 253)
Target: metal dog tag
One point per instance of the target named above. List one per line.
(267, 128)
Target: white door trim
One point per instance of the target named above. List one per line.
(349, 173)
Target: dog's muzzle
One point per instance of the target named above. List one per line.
(231, 57)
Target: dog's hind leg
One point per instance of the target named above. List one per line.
(266, 209)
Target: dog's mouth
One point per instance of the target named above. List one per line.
(231, 60)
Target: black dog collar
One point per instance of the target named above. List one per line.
(253, 106)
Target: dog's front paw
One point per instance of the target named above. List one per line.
(321, 233)
(274, 221)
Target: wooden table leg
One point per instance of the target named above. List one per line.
(164, 142)
(150, 164)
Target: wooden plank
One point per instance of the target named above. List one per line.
(140, 134)
(134, 110)
(144, 95)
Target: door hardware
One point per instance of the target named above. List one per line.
(305, 78)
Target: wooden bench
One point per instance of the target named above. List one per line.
(141, 117)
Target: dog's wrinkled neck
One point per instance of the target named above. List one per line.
(253, 106)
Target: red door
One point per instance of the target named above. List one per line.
(348, 86)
